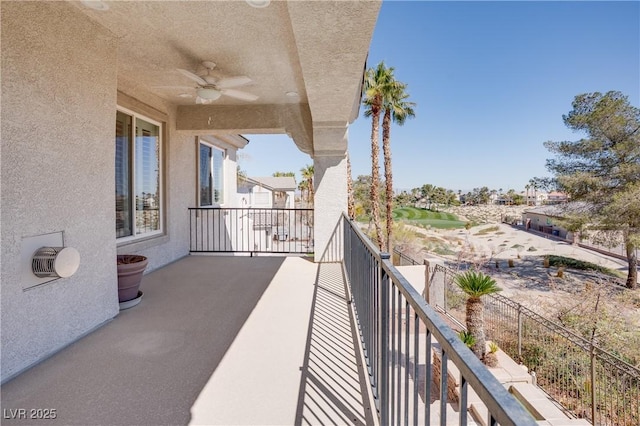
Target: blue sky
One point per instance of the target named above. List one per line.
(491, 81)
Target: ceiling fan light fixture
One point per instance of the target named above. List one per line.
(258, 3)
(209, 93)
(95, 5)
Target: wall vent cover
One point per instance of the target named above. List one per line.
(55, 262)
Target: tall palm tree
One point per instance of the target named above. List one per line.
(475, 285)
(376, 83)
(307, 182)
(396, 109)
(527, 186)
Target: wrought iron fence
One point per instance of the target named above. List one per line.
(585, 379)
(401, 259)
(251, 230)
(409, 349)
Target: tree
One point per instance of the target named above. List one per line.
(284, 174)
(376, 83)
(351, 206)
(475, 285)
(603, 168)
(396, 109)
(362, 196)
(307, 183)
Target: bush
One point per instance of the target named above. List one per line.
(580, 264)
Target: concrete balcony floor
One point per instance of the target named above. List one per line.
(215, 340)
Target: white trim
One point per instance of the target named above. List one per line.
(161, 207)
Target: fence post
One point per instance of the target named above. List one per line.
(383, 366)
(519, 332)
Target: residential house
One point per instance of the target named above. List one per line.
(556, 197)
(110, 133)
(117, 126)
(548, 219)
(267, 192)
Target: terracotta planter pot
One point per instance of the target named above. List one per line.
(130, 270)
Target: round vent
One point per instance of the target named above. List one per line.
(55, 262)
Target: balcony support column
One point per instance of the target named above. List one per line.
(330, 186)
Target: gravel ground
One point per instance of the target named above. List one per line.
(528, 281)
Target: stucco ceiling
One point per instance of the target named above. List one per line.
(314, 48)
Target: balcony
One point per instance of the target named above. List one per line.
(266, 340)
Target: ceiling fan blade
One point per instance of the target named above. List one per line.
(238, 94)
(193, 77)
(229, 82)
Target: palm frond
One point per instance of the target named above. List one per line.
(476, 284)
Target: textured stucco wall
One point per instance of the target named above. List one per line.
(60, 88)
(59, 77)
(230, 179)
(330, 201)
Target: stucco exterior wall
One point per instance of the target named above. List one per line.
(330, 200)
(231, 178)
(546, 224)
(60, 89)
(59, 77)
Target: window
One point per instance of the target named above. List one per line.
(138, 176)
(210, 175)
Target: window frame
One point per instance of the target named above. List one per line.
(214, 203)
(161, 196)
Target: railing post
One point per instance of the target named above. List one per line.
(383, 366)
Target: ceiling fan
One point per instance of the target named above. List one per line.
(211, 87)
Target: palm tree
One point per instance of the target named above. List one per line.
(307, 182)
(527, 186)
(351, 205)
(533, 184)
(475, 285)
(376, 83)
(396, 109)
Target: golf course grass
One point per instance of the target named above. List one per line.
(415, 216)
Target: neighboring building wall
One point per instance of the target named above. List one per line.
(545, 224)
(59, 77)
(256, 196)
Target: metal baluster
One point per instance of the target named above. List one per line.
(427, 380)
(443, 387)
(463, 400)
(383, 384)
(406, 363)
(393, 353)
(416, 362)
(399, 357)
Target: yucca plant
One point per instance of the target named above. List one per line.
(490, 358)
(475, 285)
(467, 338)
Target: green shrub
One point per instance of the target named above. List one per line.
(487, 230)
(467, 338)
(582, 265)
